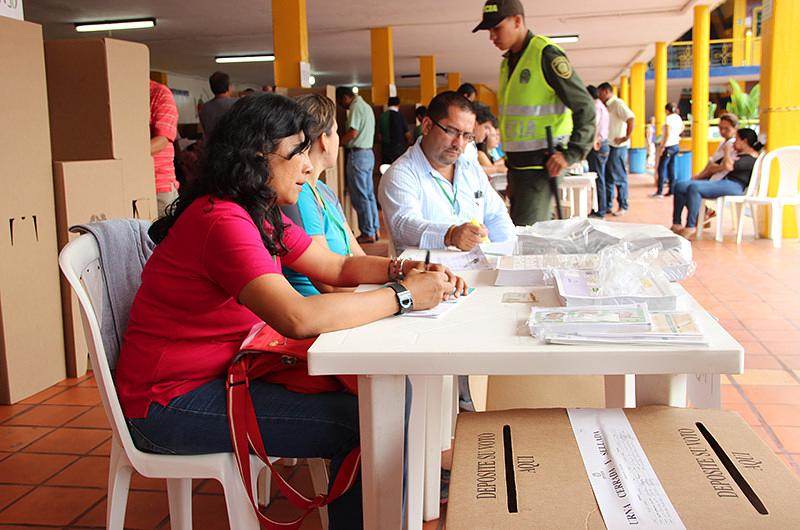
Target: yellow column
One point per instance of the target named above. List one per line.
(700, 52)
(660, 99)
(615, 90)
(290, 40)
(427, 79)
(780, 87)
(739, 27)
(453, 81)
(625, 90)
(637, 96)
(382, 64)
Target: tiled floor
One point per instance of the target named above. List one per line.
(54, 446)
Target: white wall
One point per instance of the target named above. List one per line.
(198, 90)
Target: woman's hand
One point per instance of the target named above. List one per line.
(459, 285)
(428, 288)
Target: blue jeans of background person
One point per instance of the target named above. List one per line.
(597, 163)
(293, 425)
(679, 200)
(666, 168)
(707, 189)
(360, 164)
(617, 177)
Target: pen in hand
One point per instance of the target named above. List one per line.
(427, 259)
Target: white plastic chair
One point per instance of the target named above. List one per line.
(789, 163)
(80, 263)
(731, 201)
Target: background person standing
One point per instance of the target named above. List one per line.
(668, 149)
(598, 156)
(538, 88)
(358, 137)
(620, 129)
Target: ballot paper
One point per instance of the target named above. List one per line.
(443, 308)
(475, 259)
(625, 485)
(617, 318)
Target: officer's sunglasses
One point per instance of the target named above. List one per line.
(452, 132)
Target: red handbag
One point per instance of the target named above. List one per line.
(269, 356)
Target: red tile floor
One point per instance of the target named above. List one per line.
(54, 446)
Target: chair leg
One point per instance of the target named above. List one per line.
(701, 215)
(179, 492)
(240, 512)
(119, 481)
(720, 214)
(320, 479)
(776, 228)
(735, 215)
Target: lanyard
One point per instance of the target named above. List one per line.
(332, 218)
(452, 200)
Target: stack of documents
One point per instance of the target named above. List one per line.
(582, 288)
(632, 318)
(538, 269)
(622, 324)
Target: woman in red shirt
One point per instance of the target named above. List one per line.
(216, 271)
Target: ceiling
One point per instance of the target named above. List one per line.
(188, 35)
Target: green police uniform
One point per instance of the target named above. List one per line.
(538, 88)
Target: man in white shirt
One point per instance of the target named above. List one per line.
(432, 196)
(668, 149)
(620, 129)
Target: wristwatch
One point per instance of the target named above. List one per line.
(404, 299)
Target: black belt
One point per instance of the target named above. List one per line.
(360, 148)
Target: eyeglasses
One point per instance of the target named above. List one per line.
(452, 132)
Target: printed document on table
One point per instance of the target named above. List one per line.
(625, 486)
(473, 260)
(443, 308)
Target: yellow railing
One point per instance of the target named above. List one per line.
(722, 52)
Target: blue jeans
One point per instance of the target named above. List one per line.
(597, 163)
(293, 425)
(666, 168)
(617, 177)
(360, 164)
(679, 200)
(707, 189)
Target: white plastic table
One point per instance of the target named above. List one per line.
(579, 188)
(484, 336)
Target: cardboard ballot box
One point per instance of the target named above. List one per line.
(523, 469)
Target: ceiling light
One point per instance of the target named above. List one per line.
(564, 39)
(312, 80)
(110, 25)
(355, 90)
(264, 58)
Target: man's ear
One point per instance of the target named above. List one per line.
(519, 21)
(427, 125)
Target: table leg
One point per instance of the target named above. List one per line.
(415, 481)
(381, 408)
(703, 391)
(661, 390)
(434, 425)
(583, 203)
(449, 409)
(620, 391)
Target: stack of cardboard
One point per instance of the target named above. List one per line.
(31, 343)
(98, 92)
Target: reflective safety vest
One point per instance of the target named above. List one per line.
(528, 104)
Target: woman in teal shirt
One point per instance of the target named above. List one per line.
(318, 211)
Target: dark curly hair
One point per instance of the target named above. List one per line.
(234, 167)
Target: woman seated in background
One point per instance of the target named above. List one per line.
(318, 211)
(489, 155)
(216, 271)
(734, 182)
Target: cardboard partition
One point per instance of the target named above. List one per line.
(139, 188)
(522, 469)
(544, 391)
(86, 192)
(31, 342)
(99, 99)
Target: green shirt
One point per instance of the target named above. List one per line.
(573, 94)
(361, 118)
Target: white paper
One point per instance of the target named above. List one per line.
(442, 309)
(475, 259)
(625, 486)
(501, 248)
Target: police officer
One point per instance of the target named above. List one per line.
(538, 88)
